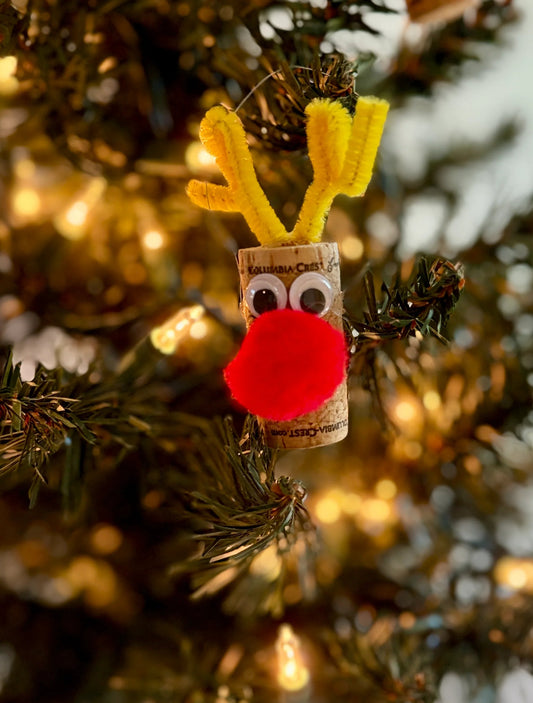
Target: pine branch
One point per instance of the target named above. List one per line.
(423, 305)
(59, 411)
(240, 507)
(278, 117)
(36, 417)
(388, 663)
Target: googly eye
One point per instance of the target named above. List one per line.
(265, 292)
(311, 292)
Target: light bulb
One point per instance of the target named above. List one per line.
(153, 239)
(293, 675)
(26, 202)
(198, 159)
(515, 573)
(73, 222)
(167, 336)
(8, 82)
(77, 213)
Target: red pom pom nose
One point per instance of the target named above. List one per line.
(290, 363)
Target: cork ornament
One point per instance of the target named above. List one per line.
(291, 368)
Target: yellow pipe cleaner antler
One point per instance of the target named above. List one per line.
(222, 134)
(342, 150)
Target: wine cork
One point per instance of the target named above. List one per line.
(329, 423)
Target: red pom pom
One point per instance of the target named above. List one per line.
(290, 363)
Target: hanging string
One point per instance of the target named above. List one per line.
(266, 78)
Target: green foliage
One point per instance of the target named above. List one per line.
(423, 304)
(387, 664)
(37, 417)
(63, 413)
(239, 507)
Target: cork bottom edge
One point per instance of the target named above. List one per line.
(303, 442)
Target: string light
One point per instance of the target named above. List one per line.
(371, 513)
(153, 239)
(198, 159)
(26, 202)
(8, 66)
(25, 169)
(77, 213)
(431, 400)
(267, 564)
(386, 489)
(351, 502)
(328, 508)
(515, 573)
(293, 675)
(8, 83)
(198, 330)
(352, 248)
(408, 412)
(375, 510)
(405, 411)
(73, 222)
(106, 539)
(94, 578)
(167, 337)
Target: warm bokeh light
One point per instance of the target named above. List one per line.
(369, 512)
(431, 400)
(198, 330)
(267, 564)
(167, 337)
(77, 213)
(106, 539)
(328, 509)
(386, 489)
(8, 83)
(293, 675)
(153, 239)
(93, 578)
(412, 450)
(351, 502)
(8, 66)
(405, 410)
(25, 169)
(407, 620)
(515, 573)
(352, 248)
(198, 158)
(107, 64)
(74, 220)
(375, 510)
(517, 577)
(26, 202)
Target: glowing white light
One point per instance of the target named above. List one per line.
(167, 337)
(153, 239)
(77, 213)
(293, 675)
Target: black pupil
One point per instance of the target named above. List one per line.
(313, 300)
(265, 300)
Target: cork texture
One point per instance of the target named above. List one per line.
(329, 423)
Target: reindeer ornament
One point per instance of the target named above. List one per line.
(291, 368)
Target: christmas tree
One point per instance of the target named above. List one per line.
(153, 548)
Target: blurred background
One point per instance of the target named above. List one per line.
(151, 552)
